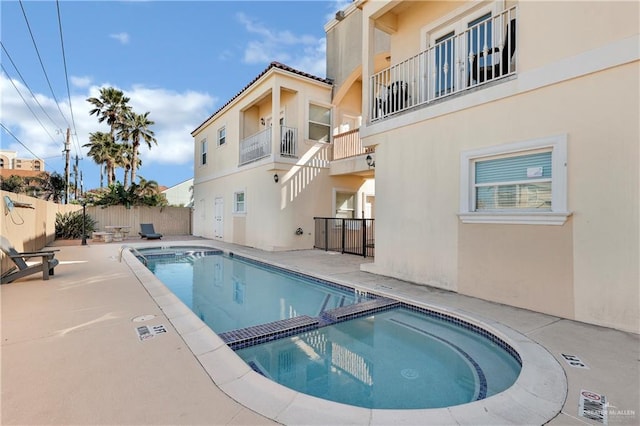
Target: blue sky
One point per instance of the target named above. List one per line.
(179, 60)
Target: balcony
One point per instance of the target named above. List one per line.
(349, 144)
(348, 156)
(259, 146)
(482, 54)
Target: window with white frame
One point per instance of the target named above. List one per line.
(222, 136)
(468, 45)
(319, 123)
(522, 182)
(239, 202)
(203, 152)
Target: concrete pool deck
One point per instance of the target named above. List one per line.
(71, 354)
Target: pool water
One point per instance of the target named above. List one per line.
(396, 359)
(230, 294)
(391, 357)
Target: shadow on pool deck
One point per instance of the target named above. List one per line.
(71, 353)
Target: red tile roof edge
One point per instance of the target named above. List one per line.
(273, 64)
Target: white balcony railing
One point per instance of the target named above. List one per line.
(349, 144)
(288, 142)
(483, 53)
(258, 145)
(255, 147)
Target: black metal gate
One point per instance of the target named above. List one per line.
(352, 236)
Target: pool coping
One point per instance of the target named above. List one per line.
(536, 397)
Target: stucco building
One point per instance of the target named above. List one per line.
(506, 150)
(263, 164)
(505, 153)
(9, 160)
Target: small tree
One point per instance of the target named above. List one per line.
(70, 225)
(50, 187)
(13, 184)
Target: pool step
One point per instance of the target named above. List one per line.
(249, 336)
(344, 313)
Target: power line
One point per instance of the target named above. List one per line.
(66, 76)
(42, 64)
(27, 104)
(19, 141)
(27, 86)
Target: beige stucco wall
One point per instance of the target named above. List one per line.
(586, 269)
(30, 229)
(571, 28)
(344, 42)
(274, 210)
(304, 189)
(586, 88)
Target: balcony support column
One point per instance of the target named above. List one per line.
(275, 122)
(368, 56)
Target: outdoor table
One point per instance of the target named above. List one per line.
(118, 231)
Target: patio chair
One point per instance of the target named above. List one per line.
(491, 71)
(22, 268)
(147, 231)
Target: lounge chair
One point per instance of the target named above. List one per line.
(21, 268)
(489, 72)
(147, 231)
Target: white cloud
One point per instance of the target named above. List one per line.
(335, 6)
(81, 81)
(123, 37)
(175, 114)
(301, 51)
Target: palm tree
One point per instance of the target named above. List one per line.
(110, 106)
(124, 159)
(103, 150)
(147, 187)
(50, 186)
(134, 129)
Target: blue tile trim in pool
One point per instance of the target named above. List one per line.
(373, 303)
(482, 379)
(180, 253)
(311, 278)
(257, 334)
(348, 312)
(468, 326)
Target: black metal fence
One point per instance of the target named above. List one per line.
(353, 236)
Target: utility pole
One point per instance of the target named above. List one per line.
(75, 179)
(66, 166)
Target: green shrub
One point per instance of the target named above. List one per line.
(69, 225)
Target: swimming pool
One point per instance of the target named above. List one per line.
(395, 359)
(230, 293)
(391, 357)
(535, 398)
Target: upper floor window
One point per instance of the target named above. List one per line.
(470, 46)
(319, 123)
(1, 163)
(523, 182)
(222, 136)
(203, 152)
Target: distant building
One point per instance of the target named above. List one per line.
(10, 160)
(180, 194)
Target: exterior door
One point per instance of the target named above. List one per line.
(218, 224)
(369, 206)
